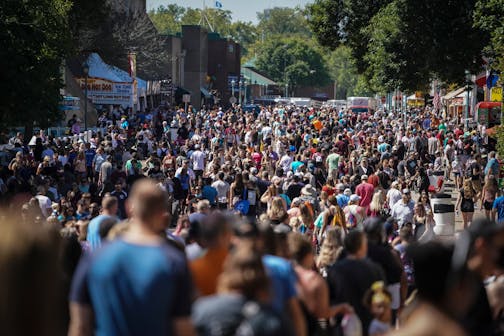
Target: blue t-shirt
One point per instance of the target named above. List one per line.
(492, 167)
(209, 193)
(134, 289)
(90, 154)
(93, 234)
(184, 180)
(499, 206)
(295, 165)
(283, 281)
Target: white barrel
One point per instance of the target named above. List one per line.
(444, 214)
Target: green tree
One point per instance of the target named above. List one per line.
(488, 16)
(293, 60)
(343, 71)
(283, 21)
(244, 33)
(336, 22)
(167, 19)
(402, 42)
(35, 41)
(391, 62)
(444, 32)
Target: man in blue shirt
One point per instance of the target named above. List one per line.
(110, 206)
(138, 284)
(492, 166)
(498, 207)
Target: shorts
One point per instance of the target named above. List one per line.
(488, 205)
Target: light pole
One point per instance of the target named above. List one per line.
(232, 87)
(240, 85)
(468, 91)
(285, 46)
(85, 69)
(245, 92)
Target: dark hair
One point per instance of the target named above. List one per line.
(353, 241)
(374, 229)
(244, 272)
(299, 246)
(432, 264)
(214, 226)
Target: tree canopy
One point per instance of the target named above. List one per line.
(402, 43)
(283, 21)
(293, 60)
(488, 16)
(35, 41)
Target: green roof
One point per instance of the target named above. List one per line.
(255, 77)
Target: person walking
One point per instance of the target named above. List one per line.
(116, 292)
(466, 202)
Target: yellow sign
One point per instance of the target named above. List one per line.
(496, 94)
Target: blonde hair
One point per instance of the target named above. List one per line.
(295, 223)
(468, 189)
(331, 247)
(277, 209)
(377, 201)
(118, 230)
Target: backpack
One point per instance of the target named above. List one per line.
(351, 220)
(339, 219)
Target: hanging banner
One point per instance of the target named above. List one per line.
(496, 94)
(104, 92)
(132, 64)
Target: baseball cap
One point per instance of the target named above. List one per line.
(364, 177)
(405, 191)
(354, 198)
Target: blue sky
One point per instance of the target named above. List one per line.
(244, 10)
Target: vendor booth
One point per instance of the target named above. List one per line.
(107, 85)
(414, 101)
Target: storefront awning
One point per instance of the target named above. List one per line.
(453, 94)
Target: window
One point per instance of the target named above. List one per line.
(231, 48)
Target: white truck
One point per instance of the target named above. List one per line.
(365, 105)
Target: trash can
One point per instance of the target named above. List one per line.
(444, 214)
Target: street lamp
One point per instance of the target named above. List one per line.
(240, 85)
(85, 69)
(468, 91)
(245, 92)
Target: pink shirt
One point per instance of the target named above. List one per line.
(365, 191)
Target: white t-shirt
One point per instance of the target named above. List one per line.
(222, 188)
(285, 162)
(45, 205)
(198, 160)
(394, 196)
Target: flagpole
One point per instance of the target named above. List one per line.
(204, 17)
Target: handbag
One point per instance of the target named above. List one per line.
(243, 205)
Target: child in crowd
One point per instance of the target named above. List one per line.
(378, 301)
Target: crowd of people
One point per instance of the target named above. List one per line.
(279, 221)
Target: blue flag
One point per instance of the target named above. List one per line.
(218, 4)
(492, 79)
